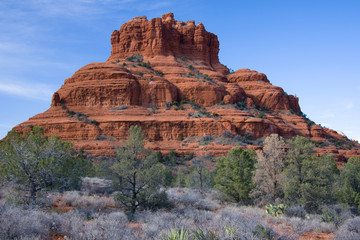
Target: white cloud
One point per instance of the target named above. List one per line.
(34, 91)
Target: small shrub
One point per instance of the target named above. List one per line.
(310, 123)
(180, 107)
(261, 115)
(124, 64)
(183, 101)
(295, 211)
(241, 105)
(191, 156)
(71, 113)
(122, 107)
(140, 74)
(242, 139)
(350, 230)
(227, 134)
(146, 65)
(215, 115)
(159, 73)
(335, 214)
(206, 138)
(94, 122)
(153, 109)
(158, 201)
(135, 58)
(263, 232)
(194, 105)
(150, 140)
(180, 138)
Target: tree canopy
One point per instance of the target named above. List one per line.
(37, 163)
(234, 174)
(349, 183)
(308, 180)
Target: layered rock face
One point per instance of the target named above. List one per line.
(165, 76)
(166, 37)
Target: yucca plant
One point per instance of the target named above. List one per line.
(177, 234)
(230, 231)
(200, 234)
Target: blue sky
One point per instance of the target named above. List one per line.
(309, 48)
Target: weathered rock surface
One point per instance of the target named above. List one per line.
(165, 76)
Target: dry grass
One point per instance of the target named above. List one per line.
(200, 214)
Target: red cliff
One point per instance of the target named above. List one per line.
(165, 76)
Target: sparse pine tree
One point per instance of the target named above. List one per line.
(269, 168)
(138, 174)
(200, 177)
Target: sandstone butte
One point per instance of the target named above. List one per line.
(165, 76)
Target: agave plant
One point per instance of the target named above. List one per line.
(177, 234)
(200, 234)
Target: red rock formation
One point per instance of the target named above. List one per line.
(156, 63)
(261, 93)
(166, 37)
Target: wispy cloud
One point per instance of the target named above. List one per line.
(79, 8)
(34, 91)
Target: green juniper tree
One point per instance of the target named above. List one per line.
(349, 183)
(308, 180)
(234, 174)
(38, 163)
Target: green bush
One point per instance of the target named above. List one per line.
(241, 105)
(159, 73)
(135, 58)
(94, 122)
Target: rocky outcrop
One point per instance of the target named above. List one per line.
(261, 93)
(165, 76)
(165, 36)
